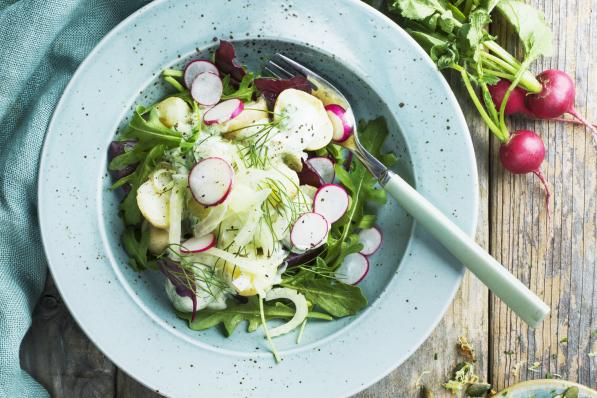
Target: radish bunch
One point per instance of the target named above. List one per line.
(555, 99)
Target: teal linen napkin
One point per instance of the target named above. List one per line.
(41, 44)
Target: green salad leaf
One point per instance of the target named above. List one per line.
(150, 131)
(236, 312)
(336, 298)
(245, 89)
(529, 23)
(136, 244)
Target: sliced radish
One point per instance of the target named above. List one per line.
(207, 88)
(210, 181)
(198, 244)
(371, 239)
(224, 111)
(342, 127)
(324, 167)
(353, 269)
(309, 231)
(331, 201)
(194, 68)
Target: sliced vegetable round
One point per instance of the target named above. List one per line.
(207, 88)
(153, 205)
(194, 68)
(309, 231)
(371, 239)
(198, 244)
(331, 201)
(324, 167)
(224, 111)
(342, 127)
(353, 269)
(210, 181)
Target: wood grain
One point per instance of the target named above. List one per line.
(556, 258)
(59, 355)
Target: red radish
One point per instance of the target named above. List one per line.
(516, 101)
(331, 201)
(198, 244)
(342, 127)
(309, 231)
(371, 239)
(353, 269)
(324, 167)
(210, 181)
(556, 98)
(194, 68)
(224, 111)
(523, 153)
(207, 88)
(309, 176)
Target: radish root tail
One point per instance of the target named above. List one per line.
(582, 120)
(543, 180)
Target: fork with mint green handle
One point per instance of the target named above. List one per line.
(497, 278)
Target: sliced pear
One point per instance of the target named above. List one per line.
(154, 206)
(305, 116)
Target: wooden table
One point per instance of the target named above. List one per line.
(556, 258)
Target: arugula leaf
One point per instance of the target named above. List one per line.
(136, 244)
(130, 156)
(336, 298)
(245, 90)
(235, 313)
(151, 131)
(533, 31)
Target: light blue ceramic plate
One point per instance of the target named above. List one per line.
(127, 315)
(544, 388)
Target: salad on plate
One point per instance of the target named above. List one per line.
(237, 189)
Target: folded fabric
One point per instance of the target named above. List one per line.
(41, 44)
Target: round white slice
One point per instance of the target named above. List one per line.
(210, 181)
(331, 201)
(304, 116)
(196, 67)
(324, 167)
(309, 231)
(154, 206)
(224, 111)
(198, 244)
(371, 239)
(353, 269)
(207, 88)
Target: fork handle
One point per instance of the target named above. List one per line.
(496, 277)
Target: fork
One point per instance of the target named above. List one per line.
(530, 308)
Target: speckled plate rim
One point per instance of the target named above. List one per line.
(468, 222)
(529, 386)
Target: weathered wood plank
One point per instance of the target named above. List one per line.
(59, 355)
(557, 257)
(467, 316)
(127, 387)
